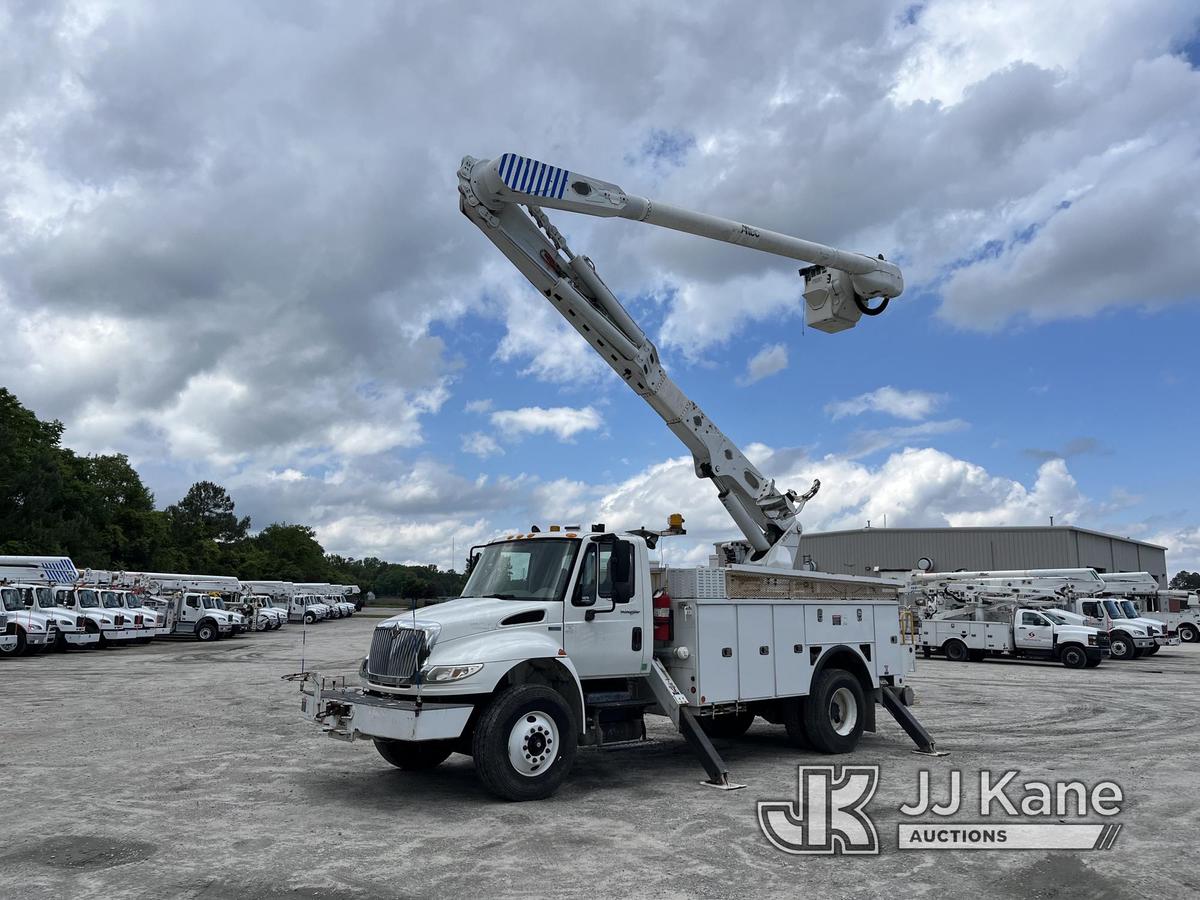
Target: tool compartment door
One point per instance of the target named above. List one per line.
(756, 668)
(717, 665)
(793, 672)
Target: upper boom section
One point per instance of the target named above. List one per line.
(836, 291)
(492, 194)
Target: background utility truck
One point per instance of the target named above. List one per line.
(187, 600)
(1138, 594)
(566, 638)
(8, 639)
(1011, 630)
(1073, 590)
(31, 578)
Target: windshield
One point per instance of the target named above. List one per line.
(87, 599)
(1131, 611)
(1057, 620)
(536, 569)
(11, 599)
(1113, 610)
(209, 602)
(45, 596)
(133, 601)
(111, 599)
(218, 603)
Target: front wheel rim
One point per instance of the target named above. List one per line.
(1117, 649)
(533, 743)
(843, 711)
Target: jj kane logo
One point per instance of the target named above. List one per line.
(829, 814)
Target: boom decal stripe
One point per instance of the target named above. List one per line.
(525, 174)
(541, 178)
(562, 185)
(506, 164)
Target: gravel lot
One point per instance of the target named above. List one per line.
(181, 769)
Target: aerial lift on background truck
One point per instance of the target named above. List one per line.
(567, 637)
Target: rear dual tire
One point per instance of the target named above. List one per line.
(1188, 633)
(831, 718)
(727, 726)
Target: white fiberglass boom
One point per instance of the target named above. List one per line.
(838, 287)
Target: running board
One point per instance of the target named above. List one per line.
(914, 729)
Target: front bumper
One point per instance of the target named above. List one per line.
(1143, 643)
(162, 631)
(350, 714)
(81, 638)
(120, 634)
(39, 638)
(1167, 640)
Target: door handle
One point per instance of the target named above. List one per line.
(636, 642)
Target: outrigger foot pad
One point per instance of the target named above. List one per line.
(723, 785)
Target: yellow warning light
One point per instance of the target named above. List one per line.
(572, 534)
(675, 520)
(556, 528)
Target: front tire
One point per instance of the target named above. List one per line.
(834, 712)
(1073, 657)
(413, 756)
(19, 649)
(524, 743)
(1121, 646)
(1150, 651)
(207, 631)
(309, 618)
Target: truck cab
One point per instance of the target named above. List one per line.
(29, 629)
(1129, 638)
(237, 621)
(8, 639)
(199, 615)
(70, 629)
(154, 618)
(136, 622)
(262, 613)
(1175, 609)
(116, 627)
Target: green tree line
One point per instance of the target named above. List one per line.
(96, 510)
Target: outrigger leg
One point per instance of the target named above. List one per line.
(914, 729)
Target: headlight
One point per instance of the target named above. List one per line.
(1092, 639)
(442, 674)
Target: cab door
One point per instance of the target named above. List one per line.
(602, 638)
(1034, 631)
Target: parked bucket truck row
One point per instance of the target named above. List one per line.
(1078, 617)
(46, 603)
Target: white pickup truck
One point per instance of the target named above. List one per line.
(1020, 633)
(563, 639)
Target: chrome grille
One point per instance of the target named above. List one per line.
(1102, 640)
(396, 653)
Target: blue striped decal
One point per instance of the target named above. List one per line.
(61, 571)
(519, 173)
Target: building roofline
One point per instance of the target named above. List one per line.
(953, 529)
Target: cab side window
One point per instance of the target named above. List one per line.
(193, 602)
(1091, 608)
(606, 551)
(1029, 618)
(587, 576)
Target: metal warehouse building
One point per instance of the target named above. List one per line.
(867, 550)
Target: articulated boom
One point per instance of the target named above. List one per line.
(492, 193)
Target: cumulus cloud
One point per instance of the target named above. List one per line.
(766, 362)
(564, 422)
(225, 249)
(482, 445)
(911, 405)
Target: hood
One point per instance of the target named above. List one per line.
(475, 615)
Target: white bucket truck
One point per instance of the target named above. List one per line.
(567, 637)
(332, 597)
(1073, 590)
(274, 597)
(38, 622)
(1141, 599)
(189, 602)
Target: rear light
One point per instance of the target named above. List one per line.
(664, 624)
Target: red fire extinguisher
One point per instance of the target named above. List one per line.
(663, 620)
